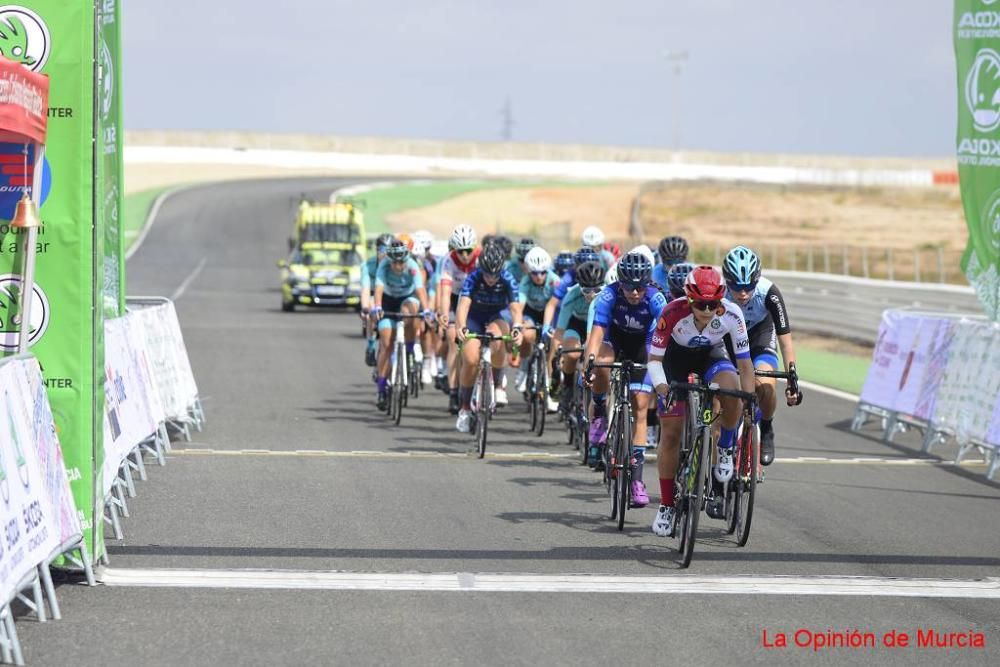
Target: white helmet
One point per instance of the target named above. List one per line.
(463, 237)
(593, 237)
(538, 260)
(646, 251)
(612, 277)
(424, 238)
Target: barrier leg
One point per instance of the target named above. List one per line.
(11, 647)
(5, 640)
(88, 565)
(125, 474)
(118, 494)
(165, 440)
(138, 465)
(994, 464)
(36, 601)
(111, 517)
(50, 590)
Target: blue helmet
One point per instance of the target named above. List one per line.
(676, 277)
(634, 270)
(741, 267)
(564, 262)
(585, 254)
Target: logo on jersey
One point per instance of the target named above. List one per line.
(716, 324)
(699, 341)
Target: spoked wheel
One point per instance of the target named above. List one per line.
(624, 469)
(746, 485)
(483, 413)
(539, 399)
(532, 390)
(693, 488)
(398, 401)
(611, 471)
(416, 370)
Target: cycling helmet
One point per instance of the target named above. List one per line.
(590, 274)
(397, 252)
(506, 245)
(585, 254)
(406, 239)
(634, 269)
(593, 237)
(673, 249)
(741, 266)
(614, 249)
(492, 259)
(564, 262)
(646, 251)
(677, 275)
(384, 241)
(538, 260)
(462, 238)
(612, 276)
(704, 283)
(524, 246)
(423, 237)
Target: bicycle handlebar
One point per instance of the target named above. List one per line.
(576, 350)
(712, 390)
(791, 376)
(403, 316)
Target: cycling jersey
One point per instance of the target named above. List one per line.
(536, 296)
(368, 273)
(607, 259)
(574, 305)
(453, 270)
(399, 284)
(568, 280)
(676, 328)
(614, 311)
(489, 298)
(765, 302)
(660, 272)
(513, 267)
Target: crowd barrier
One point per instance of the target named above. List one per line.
(939, 374)
(150, 394)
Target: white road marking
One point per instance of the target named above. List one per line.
(542, 456)
(988, 588)
(179, 292)
(150, 219)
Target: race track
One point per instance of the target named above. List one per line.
(297, 472)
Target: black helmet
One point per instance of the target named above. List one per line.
(523, 246)
(398, 251)
(673, 249)
(634, 270)
(564, 262)
(590, 274)
(492, 259)
(506, 245)
(384, 241)
(677, 276)
(585, 254)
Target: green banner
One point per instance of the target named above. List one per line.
(57, 38)
(977, 56)
(109, 174)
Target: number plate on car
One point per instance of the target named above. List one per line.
(330, 290)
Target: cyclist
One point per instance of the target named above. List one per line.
(584, 254)
(516, 264)
(573, 323)
(368, 272)
(768, 327)
(691, 338)
(676, 278)
(455, 268)
(488, 304)
(428, 267)
(534, 292)
(672, 250)
(624, 320)
(593, 238)
(614, 249)
(399, 288)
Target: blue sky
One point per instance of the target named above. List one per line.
(848, 77)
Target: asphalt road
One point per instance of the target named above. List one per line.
(296, 474)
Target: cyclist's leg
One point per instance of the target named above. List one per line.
(499, 327)
(599, 395)
(386, 332)
(667, 462)
(411, 306)
(723, 373)
(764, 353)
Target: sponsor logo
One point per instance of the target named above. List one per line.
(699, 341)
(991, 219)
(10, 322)
(106, 76)
(982, 90)
(716, 324)
(743, 344)
(17, 174)
(24, 37)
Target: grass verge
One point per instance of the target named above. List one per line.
(137, 207)
(831, 369)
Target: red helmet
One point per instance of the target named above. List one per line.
(704, 283)
(614, 249)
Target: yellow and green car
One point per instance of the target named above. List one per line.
(321, 274)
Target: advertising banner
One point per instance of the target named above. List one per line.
(977, 56)
(970, 385)
(57, 38)
(26, 515)
(109, 187)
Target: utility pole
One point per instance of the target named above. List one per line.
(507, 120)
(676, 59)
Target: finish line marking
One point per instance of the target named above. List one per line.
(375, 454)
(988, 588)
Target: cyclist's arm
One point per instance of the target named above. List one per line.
(462, 312)
(550, 310)
(516, 313)
(379, 290)
(748, 380)
(594, 340)
(787, 350)
(422, 297)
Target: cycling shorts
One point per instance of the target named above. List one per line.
(477, 322)
(532, 316)
(631, 346)
(394, 304)
(576, 328)
(679, 362)
(764, 343)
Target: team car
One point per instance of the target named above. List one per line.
(321, 274)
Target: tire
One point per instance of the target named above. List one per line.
(530, 393)
(611, 464)
(695, 490)
(748, 484)
(483, 414)
(418, 369)
(624, 459)
(287, 306)
(541, 394)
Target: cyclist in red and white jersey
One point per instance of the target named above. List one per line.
(690, 337)
(455, 268)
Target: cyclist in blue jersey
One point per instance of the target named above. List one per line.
(624, 320)
(534, 292)
(672, 250)
(767, 327)
(676, 278)
(515, 266)
(368, 271)
(399, 288)
(574, 317)
(488, 304)
(564, 262)
(584, 254)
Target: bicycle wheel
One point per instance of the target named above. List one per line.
(624, 463)
(530, 392)
(540, 396)
(398, 398)
(417, 370)
(694, 492)
(483, 412)
(611, 462)
(734, 488)
(748, 486)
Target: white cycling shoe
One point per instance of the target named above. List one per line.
(521, 381)
(425, 375)
(552, 405)
(724, 467)
(464, 422)
(500, 396)
(663, 523)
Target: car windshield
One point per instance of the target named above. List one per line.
(327, 257)
(316, 232)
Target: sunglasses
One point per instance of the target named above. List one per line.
(591, 291)
(634, 287)
(704, 305)
(464, 251)
(736, 287)
(539, 273)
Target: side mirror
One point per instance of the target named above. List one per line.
(282, 264)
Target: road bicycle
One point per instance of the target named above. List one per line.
(619, 461)
(403, 374)
(693, 482)
(574, 408)
(483, 396)
(537, 387)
